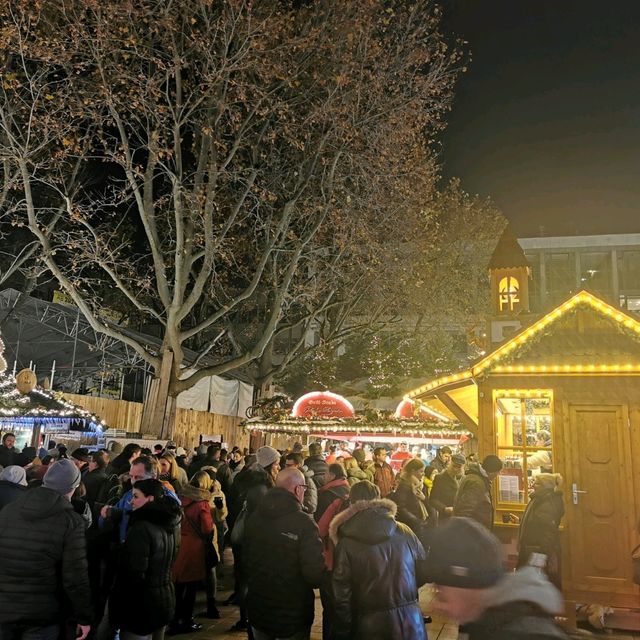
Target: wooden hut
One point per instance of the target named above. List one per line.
(563, 394)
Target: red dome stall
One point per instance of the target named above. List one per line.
(324, 415)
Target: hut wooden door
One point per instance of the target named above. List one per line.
(598, 498)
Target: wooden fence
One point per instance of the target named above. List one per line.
(188, 426)
(118, 414)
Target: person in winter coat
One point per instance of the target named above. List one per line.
(248, 490)
(446, 485)
(282, 556)
(206, 479)
(474, 498)
(47, 581)
(189, 569)
(354, 472)
(142, 600)
(170, 472)
(13, 483)
(316, 463)
(540, 523)
(378, 567)
(472, 588)
(295, 460)
(410, 497)
(442, 458)
(122, 462)
(381, 474)
(94, 480)
(218, 505)
(142, 468)
(336, 489)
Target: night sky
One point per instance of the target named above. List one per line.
(547, 119)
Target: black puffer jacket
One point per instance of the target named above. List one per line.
(378, 567)
(283, 561)
(7, 456)
(10, 491)
(474, 499)
(143, 598)
(319, 467)
(93, 481)
(44, 579)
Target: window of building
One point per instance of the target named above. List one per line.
(630, 303)
(595, 272)
(524, 437)
(561, 276)
(629, 271)
(535, 282)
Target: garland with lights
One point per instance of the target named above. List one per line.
(41, 406)
(358, 426)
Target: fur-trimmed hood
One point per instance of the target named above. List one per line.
(370, 521)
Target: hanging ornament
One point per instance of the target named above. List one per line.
(26, 381)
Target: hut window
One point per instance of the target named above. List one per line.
(524, 437)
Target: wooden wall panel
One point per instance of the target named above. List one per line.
(118, 414)
(190, 424)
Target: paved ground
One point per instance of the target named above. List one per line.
(439, 629)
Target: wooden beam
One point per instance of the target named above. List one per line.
(458, 412)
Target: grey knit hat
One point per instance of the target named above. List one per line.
(14, 473)
(62, 476)
(266, 456)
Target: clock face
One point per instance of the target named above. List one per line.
(26, 381)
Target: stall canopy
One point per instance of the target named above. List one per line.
(42, 408)
(317, 414)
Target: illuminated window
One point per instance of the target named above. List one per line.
(508, 293)
(524, 437)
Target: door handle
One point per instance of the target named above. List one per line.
(575, 491)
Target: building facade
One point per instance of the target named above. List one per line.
(606, 265)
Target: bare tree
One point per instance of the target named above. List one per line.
(230, 170)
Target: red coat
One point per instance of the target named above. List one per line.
(189, 565)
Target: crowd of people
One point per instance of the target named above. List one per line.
(120, 542)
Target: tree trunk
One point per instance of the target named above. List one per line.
(159, 411)
(263, 381)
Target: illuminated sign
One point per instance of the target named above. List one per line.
(322, 404)
(508, 293)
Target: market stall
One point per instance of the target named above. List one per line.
(35, 415)
(563, 395)
(327, 416)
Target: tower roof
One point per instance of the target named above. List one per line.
(508, 254)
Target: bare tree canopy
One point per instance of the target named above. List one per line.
(232, 170)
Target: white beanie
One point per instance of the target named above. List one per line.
(14, 473)
(266, 456)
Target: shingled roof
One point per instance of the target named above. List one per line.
(508, 254)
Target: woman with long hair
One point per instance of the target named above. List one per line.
(169, 471)
(190, 569)
(539, 527)
(142, 599)
(410, 497)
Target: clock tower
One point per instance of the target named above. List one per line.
(509, 272)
